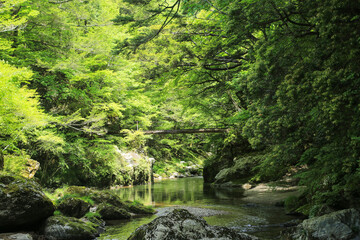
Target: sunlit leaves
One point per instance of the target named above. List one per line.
(14, 14)
(50, 142)
(18, 104)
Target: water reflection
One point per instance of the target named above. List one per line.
(177, 191)
(260, 220)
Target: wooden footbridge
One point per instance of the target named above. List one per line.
(187, 131)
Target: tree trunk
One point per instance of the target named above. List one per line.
(1, 160)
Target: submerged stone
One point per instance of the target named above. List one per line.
(182, 225)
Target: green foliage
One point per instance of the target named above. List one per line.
(57, 213)
(19, 109)
(135, 139)
(91, 215)
(16, 163)
(296, 205)
(283, 75)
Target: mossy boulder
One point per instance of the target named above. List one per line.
(73, 207)
(138, 208)
(213, 166)
(97, 196)
(110, 212)
(104, 198)
(241, 171)
(79, 190)
(108, 197)
(22, 203)
(180, 224)
(97, 220)
(69, 228)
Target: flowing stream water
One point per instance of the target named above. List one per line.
(262, 220)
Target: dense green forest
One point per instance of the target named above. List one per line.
(79, 77)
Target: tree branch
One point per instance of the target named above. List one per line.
(208, 67)
(220, 11)
(60, 2)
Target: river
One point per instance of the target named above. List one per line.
(259, 219)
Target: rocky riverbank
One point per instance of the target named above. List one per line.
(181, 224)
(79, 213)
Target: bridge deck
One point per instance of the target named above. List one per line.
(188, 131)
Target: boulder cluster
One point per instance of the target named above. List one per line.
(339, 225)
(80, 214)
(180, 224)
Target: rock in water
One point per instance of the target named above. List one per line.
(182, 225)
(22, 203)
(340, 225)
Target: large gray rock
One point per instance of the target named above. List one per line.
(22, 203)
(69, 228)
(16, 236)
(340, 225)
(182, 225)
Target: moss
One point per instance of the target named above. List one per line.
(139, 208)
(78, 190)
(92, 214)
(94, 218)
(7, 179)
(23, 202)
(74, 226)
(110, 212)
(73, 207)
(11, 188)
(86, 199)
(109, 198)
(57, 213)
(138, 234)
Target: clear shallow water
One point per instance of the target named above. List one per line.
(261, 220)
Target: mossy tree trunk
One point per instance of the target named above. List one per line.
(1, 161)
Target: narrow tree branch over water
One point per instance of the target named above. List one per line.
(188, 131)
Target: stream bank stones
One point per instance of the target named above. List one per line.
(180, 224)
(22, 203)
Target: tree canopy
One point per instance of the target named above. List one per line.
(79, 77)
